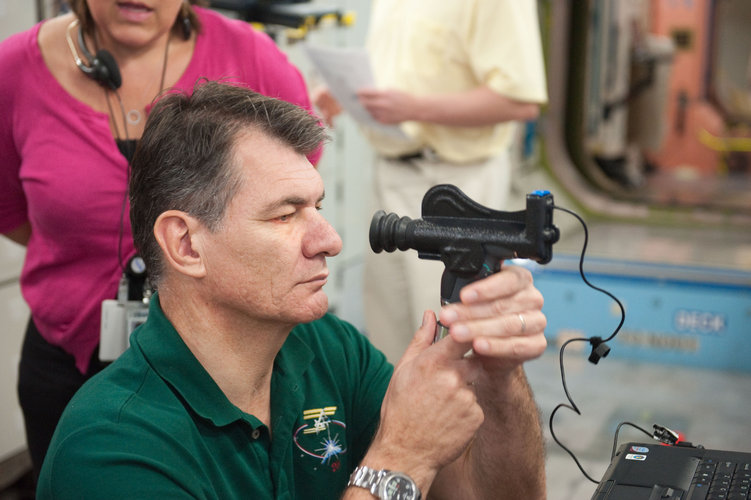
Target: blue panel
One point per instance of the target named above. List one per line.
(669, 318)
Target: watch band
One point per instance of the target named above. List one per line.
(365, 477)
(380, 482)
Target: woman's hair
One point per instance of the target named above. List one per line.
(81, 9)
(186, 158)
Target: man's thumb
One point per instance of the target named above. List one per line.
(423, 337)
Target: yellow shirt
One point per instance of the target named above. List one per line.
(442, 46)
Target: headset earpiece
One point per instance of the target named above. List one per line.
(186, 26)
(183, 20)
(103, 69)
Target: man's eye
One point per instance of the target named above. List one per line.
(284, 218)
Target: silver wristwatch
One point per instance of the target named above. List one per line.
(385, 484)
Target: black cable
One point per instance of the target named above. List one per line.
(571, 453)
(581, 272)
(617, 430)
(595, 341)
(129, 156)
(121, 229)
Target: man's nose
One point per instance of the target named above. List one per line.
(322, 238)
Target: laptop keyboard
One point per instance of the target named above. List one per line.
(720, 480)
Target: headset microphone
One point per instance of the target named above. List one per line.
(103, 68)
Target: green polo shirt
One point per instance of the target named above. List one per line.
(154, 424)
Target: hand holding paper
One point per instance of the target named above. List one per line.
(346, 71)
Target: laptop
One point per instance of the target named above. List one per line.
(653, 471)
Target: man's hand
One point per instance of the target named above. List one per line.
(389, 106)
(328, 107)
(430, 412)
(468, 422)
(501, 316)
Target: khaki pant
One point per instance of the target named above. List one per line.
(398, 286)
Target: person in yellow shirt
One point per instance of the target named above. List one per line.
(456, 76)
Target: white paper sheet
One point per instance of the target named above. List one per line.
(345, 71)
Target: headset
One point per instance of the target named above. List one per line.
(103, 67)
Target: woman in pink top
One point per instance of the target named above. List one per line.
(74, 96)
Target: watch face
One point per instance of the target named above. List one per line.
(398, 487)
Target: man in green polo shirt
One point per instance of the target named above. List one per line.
(240, 385)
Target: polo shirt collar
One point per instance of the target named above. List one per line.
(170, 358)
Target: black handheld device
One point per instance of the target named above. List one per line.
(470, 239)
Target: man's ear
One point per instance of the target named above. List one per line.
(177, 235)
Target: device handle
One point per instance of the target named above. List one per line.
(452, 284)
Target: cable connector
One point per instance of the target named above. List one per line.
(599, 349)
(665, 435)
